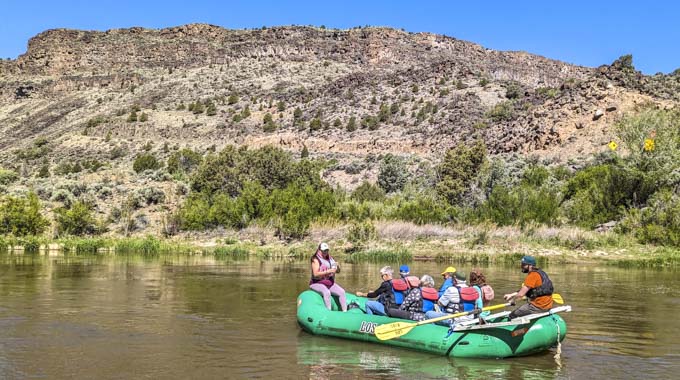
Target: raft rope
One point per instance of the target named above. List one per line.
(557, 356)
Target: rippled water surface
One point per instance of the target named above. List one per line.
(113, 317)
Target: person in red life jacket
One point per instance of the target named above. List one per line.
(537, 287)
(324, 268)
(384, 293)
(412, 307)
(486, 293)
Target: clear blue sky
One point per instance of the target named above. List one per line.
(588, 33)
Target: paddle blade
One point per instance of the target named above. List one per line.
(393, 330)
(557, 298)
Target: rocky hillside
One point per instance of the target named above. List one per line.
(101, 98)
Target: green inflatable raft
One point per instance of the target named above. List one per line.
(499, 338)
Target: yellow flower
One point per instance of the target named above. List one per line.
(649, 145)
(612, 145)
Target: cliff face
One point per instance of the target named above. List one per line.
(70, 52)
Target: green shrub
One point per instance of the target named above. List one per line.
(381, 256)
(351, 124)
(77, 220)
(521, 205)
(292, 209)
(22, 216)
(661, 126)
(601, 193)
(7, 177)
(146, 161)
(368, 192)
(421, 210)
(658, 223)
(503, 111)
(194, 214)
(392, 175)
(184, 161)
(231, 251)
(359, 234)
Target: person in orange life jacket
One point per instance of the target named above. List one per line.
(412, 307)
(537, 287)
(448, 274)
(450, 302)
(324, 268)
(384, 293)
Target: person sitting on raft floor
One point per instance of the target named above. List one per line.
(324, 268)
(384, 294)
(412, 307)
(537, 287)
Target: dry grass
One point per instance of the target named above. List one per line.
(397, 230)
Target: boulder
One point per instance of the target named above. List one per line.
(598, 114)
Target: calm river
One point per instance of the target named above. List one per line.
(127, 317)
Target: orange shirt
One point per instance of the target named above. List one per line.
(533, 281)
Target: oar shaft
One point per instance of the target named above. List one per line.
(462, 314)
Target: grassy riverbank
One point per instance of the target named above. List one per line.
(394, 242)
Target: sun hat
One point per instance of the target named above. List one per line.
(404, 269)
(449, 270)
(324, 247)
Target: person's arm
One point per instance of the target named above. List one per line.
(518, 294)
(445, 298)
(319, 273)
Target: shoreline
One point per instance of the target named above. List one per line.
(395, 242)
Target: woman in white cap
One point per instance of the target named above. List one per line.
(324, 268)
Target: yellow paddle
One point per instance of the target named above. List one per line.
(557, 298)
(397, 329)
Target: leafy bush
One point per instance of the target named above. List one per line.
(77, 220)
(601, 193)
(195, 213)
(294, 208)
(658, 223)
(359, 234)
(7, 177)
(503, 111)
(521, 205)
(146, 161)
(368, 192)
(422, 210)
(663, 128)
(392, 175)
(184, 161)
(147, 196)
(21, 216)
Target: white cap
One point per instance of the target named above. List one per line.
(323, 246)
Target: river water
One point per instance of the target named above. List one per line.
(177, 317)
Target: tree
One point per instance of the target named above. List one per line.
(281, 106)
(233, 99)
(459, 167)
(21, 216)
(352, 124)
(392, 174)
